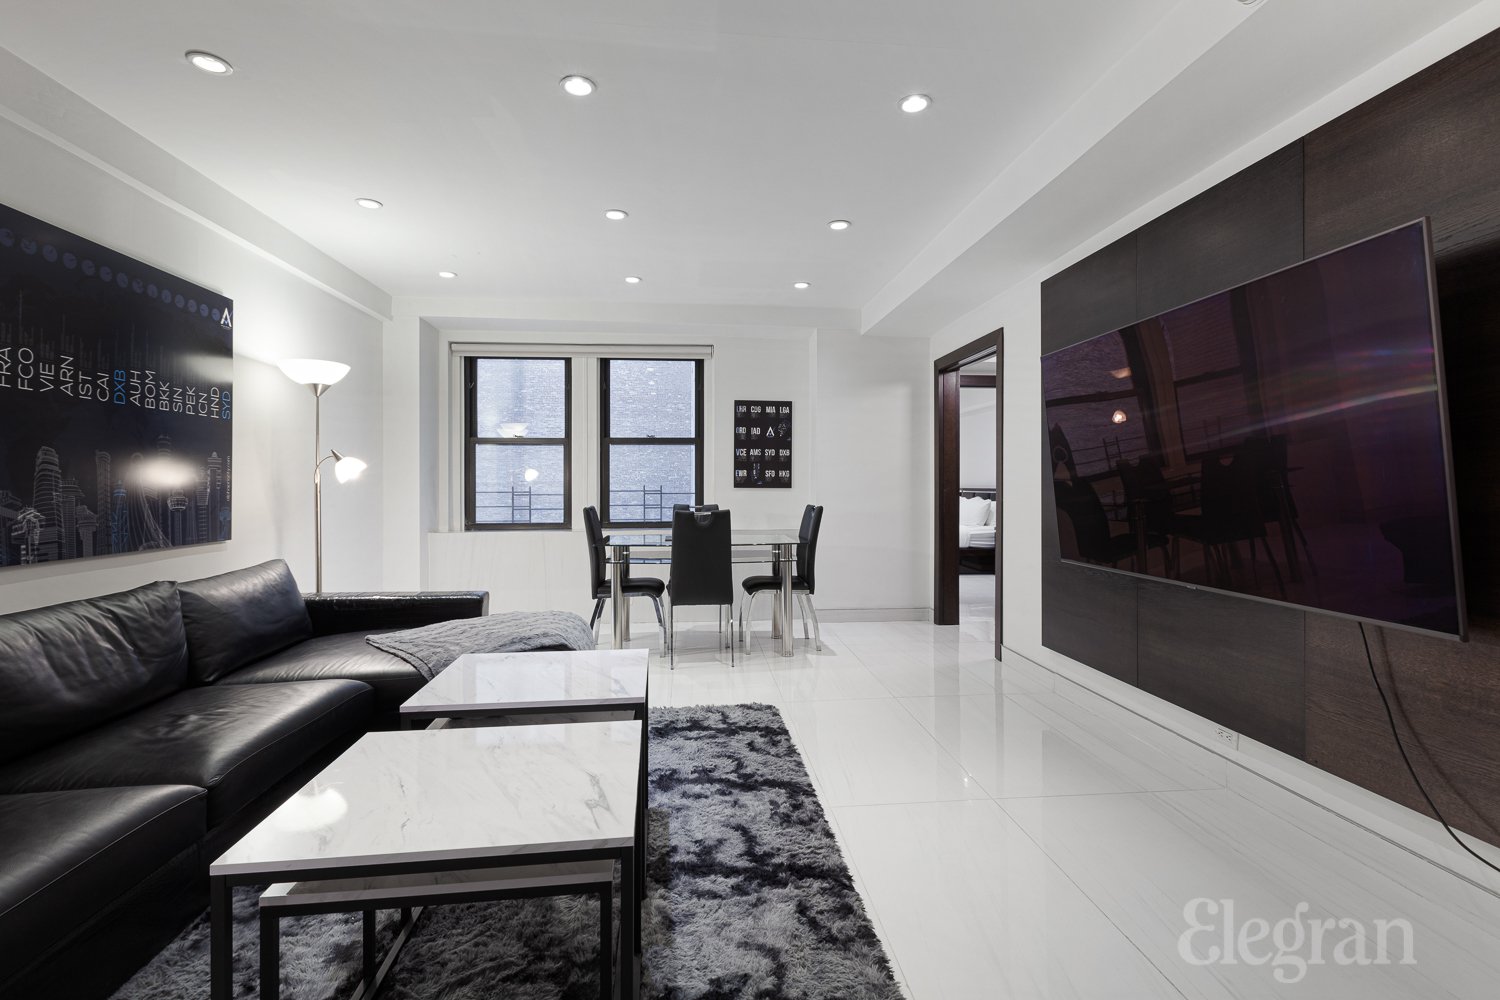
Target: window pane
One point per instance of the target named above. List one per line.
(652, 399)
(518, 484)
(645, 480)
(521, 397)
(1214, 414)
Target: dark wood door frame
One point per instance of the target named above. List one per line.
(949, 380)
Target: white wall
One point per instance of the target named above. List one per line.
(861, 431)
(976, 437)
(874, 474)
(278, 313)
(549, 569)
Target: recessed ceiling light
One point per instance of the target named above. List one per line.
(369, 203)
(915, 103)
(799, 285)
(447, 274)
(616, 214)
(632, 280)
(209, 63)
(578, 86)
(839, 225)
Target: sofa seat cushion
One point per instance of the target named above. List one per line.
(67, 854)
(345, 654)
(237, 741)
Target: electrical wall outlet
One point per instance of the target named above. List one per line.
(1228, 737)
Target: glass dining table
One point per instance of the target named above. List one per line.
(751, 545)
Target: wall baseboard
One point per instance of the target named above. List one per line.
(875, 614)
(1280, 773)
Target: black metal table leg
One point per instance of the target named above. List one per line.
(642, 833)
(368, 945)
(221, 939)
(606, 944)
(270, 956)
(629, 977)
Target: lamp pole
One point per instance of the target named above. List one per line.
(318, 376)
(318, 389)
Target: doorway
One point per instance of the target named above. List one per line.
(962, 547)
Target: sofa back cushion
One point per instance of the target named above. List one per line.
(69, 667)
(236, 618)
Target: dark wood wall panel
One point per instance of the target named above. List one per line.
(1429, 146)
(1094, 296)
(1298, 680)
(1086, 614)
(1237, 230)
(1446, 699)
(1234, 661)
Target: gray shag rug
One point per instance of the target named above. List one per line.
(749, 897)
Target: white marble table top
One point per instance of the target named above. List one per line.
(445, 794)
(531, 681)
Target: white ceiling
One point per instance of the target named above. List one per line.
(731, 131)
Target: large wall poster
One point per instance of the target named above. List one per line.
(115, 401)
(762, 444)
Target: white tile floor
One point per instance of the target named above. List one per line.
(1010, 843)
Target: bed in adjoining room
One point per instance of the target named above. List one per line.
(977, 514)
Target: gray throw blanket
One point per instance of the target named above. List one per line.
(432, 647)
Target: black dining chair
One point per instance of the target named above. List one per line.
(687, 506)
(804, 580)
(647, 587)
(702, 570)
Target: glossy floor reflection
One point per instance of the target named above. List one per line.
(1012, 843)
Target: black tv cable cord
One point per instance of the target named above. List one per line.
(1396, 735)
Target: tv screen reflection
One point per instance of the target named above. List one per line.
(1284, 440)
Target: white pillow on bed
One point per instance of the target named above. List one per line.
(989, 515)
(972, 510)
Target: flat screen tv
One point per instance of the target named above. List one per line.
(1285, 440)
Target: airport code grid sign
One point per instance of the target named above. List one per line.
(762, 444)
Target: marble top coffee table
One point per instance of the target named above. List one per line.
(546, 686)
(436, 800)
(560, 682)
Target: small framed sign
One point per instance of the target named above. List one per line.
(762, 444)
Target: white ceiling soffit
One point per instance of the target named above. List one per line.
(1209, 79)
(732, 131)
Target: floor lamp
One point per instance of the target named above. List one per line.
(318, 376)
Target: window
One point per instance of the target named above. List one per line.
(651, 438)
(519, 422)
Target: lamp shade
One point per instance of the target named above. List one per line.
(310, 371)
(348, 467)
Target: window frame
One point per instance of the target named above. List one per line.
(472, 442)
(606, 441)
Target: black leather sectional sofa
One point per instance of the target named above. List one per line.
(142, 733)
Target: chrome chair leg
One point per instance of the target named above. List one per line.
(594, 619)
(802, 600)
(661, 622)
(744, 612)
(671, 637)
(812, 612)
(731, 636)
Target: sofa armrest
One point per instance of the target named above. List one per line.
(358, 612)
